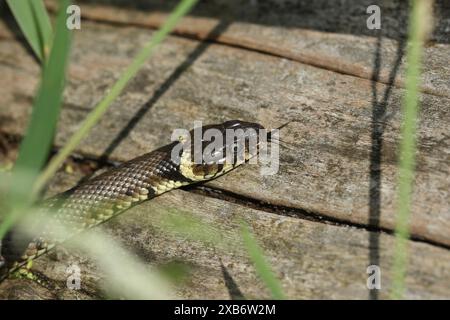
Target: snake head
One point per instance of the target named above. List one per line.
(213, 150)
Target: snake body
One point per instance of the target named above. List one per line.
(111, 193)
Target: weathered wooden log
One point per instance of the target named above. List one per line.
(337, 180)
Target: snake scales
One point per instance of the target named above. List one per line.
(111, 193)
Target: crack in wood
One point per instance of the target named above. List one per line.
(297, 212)
(310, 60)
(225, 195)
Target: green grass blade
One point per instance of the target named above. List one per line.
(33, 20)
(36, 144)
(183, 7)
(44, 26)
(123, 274)
(420, 13)
(261, 265)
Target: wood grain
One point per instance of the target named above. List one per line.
(346, 52)
(337, 179)
(327, 169)
(312, 259)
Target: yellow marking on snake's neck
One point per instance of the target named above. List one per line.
(187, 168)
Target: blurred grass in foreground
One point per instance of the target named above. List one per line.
(37, 142)
(183, 223)
(94, 116)
(33, 20)
(262, 267)
(127, 276)
(420, 22)
(123, 275)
